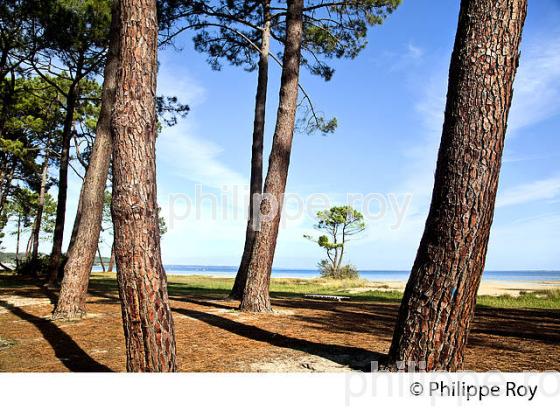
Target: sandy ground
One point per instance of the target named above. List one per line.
(487, 288)
(302, 336)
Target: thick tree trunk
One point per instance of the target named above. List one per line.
(58, 236)
(81, 254)
(256, 297)
(147, 319)
(36, 232)
(440, 296)
(256, 158)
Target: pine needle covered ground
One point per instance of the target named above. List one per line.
(510, 333)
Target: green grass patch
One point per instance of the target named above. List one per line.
(357, 289)
(539, 299)
(220, 287)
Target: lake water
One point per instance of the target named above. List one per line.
(375, 275)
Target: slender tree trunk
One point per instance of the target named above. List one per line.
(256, 157)
(40, 206)
(58, 235)
(111, 259)
(18, 235)
(78, 216)
(256, 295)
(81, 254)
(6, 184)
(100, 259)
(147, 320)
(440, 296)
(28, 246)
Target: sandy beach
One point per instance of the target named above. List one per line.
(487, 288)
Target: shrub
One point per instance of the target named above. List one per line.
(33, 267)
(344, 272)
(39, 266)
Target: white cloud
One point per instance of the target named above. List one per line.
(536, 93)
(537, 84)
(180, 149)
(192, 158)
(414, 52)
(181, 85)
(537, 190)
(409, 55)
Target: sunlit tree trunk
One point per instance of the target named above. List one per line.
(256, 156)
(100, 259)
(147, 319)
(78, 216)
(440, 297)
(111, 259)
(58, 236)
(36, 230)
(18, 235)
(81, 254)
(256, 295)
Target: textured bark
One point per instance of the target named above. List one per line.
(440, 296)
(256, 295)
(6, 182)
(111, 259)
(256, 158)
(18, 237)
(100, 259)
(81, 254)
(58, 235)
(147, 319)
(78, 216)
(36, 231)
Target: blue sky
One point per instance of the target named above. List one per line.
(389, 104)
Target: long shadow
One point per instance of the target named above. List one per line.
(203, 302)
(354, 357)
(66, 350)
(111, 298)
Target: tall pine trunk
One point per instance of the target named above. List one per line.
(81, 254)
(58, 236)
(36, 230)
(256, 157)
(147, 319)
(440, 297)
(256, 295)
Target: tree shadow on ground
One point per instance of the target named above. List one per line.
(531, 324)
(353, 357)
(66, 350)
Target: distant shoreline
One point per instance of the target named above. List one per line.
(487, 287)
(520, 276)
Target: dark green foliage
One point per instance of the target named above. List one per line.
(169, 110)
(230, 30)
(343, 272)
(33, 267)
(39, 267)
